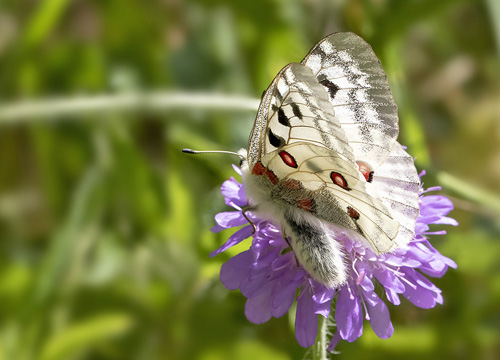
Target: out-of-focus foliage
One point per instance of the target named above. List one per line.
(105, 224)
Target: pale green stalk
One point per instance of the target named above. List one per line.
(319, 347)
(35, 110)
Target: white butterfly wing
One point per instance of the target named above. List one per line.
(397, 185)
(315, 121)
(315, 179)
(295, 108)
(350, 72)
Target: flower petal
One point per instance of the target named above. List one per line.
(334, 342)
(365, 283)
(258, 308)
(420, 228)
(433, 210)
(283, 295)
(389, 280)
(256, 281)
(392, 296)
(236, 238)
(401, 260)
(380, 319)
(435, 205)
(237, 169)
(420, 296)
(230, 219)
(322, 299)
(349, 314)
(235, 270)
(233, 192)
(306, 321)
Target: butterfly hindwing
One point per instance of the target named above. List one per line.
(317, 180)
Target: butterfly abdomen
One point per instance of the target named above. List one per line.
(315, 247)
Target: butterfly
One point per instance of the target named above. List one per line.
(323, 159)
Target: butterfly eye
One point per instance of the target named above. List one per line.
(339, 180)
(365, 169)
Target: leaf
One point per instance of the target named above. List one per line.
(44, 20)
(86, 334)
(470, 191)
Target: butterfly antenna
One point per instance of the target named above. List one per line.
(191, 151)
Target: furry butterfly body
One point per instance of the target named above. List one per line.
(323, 159)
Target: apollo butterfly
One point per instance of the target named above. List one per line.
(323, 159)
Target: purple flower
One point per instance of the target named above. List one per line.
(269, 277)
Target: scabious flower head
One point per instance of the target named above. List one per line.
(269, 277)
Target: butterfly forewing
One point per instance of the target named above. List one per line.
(296, 108)
(348, 69)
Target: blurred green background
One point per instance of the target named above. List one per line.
(105, 224)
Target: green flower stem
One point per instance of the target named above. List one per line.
(319, 347)
(470, 191)
(35, 110)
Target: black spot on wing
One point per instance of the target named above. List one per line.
(278, 95)
(296, 110)
(331, 87)
(282, 118)
(275, 140)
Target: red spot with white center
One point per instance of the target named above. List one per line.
(288, 159)
(339, 179)
(366, 170)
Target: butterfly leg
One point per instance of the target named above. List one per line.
(243, 212)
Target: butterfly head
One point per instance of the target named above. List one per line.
(242, 153)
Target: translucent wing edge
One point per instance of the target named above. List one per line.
(398, 184)
(362, 93)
